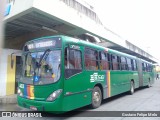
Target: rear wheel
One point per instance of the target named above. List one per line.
(96, 97)
(132, 88)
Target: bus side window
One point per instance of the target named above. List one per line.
(123, 63)
(134, 65)
(119, 62)
(109, 61)
(91, 59)
(129, 63)
(147, 67)
(73, 59)
(66, 58)
(73, 62)
(144, 66)
(103, 61)
(114, 62)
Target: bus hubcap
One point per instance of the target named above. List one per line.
(132, 88)
(96, 97)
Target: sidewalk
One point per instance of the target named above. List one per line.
(8, 99)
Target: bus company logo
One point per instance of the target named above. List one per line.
(96, 77)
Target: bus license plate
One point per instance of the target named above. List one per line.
(33, 108)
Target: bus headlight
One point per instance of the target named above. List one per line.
(54, 95)
(19, 92)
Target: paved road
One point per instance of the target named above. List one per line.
(144, 99)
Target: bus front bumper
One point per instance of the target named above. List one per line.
(53, 107)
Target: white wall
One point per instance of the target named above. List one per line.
(3, 69)
(60, 11)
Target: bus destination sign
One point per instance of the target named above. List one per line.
(42, 44)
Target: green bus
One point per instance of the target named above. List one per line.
(62, 73)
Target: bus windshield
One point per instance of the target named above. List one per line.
(41, 67)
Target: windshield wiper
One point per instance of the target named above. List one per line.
(44, 56)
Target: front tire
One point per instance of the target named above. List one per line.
(96, 97)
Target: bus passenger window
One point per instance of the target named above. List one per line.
(119, 62)
(129, 64)
(71, 62)
(114, 62)
(147, 67)
(123, 63)
(144, 66)
(74, 60)
(135, 64)
(91, 59)
(77, 60)
(109, 61)
(103, 61)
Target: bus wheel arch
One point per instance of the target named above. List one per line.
(132, 86)
(97, 96)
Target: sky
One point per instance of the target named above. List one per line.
(137, 21)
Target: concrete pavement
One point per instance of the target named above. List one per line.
(8, 99)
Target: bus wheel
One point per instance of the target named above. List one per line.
(96, 97)
(149, 84)
(132, 88)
